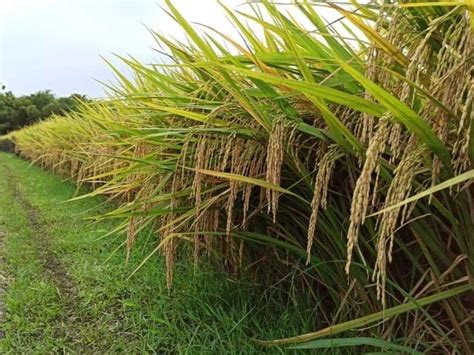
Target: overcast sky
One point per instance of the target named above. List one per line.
(56, 44)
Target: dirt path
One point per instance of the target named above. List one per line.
(52, 267)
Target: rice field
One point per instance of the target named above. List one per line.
(338, 153)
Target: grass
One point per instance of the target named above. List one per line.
(205, 312)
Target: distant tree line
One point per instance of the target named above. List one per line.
(20, 111)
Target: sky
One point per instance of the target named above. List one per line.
(58, 44)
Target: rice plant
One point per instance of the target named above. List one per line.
(338, 153)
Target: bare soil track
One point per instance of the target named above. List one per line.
(52, 266)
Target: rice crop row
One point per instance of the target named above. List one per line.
(299, 146)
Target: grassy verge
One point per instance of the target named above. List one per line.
(67, 292)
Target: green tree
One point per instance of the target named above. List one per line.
(17, 112)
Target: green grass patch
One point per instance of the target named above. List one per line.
(204, 312)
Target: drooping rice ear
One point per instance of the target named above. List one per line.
(131, 236)
(360, 196)
(462, 156)
(275, 153)
(321, 186)
(398, 191)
